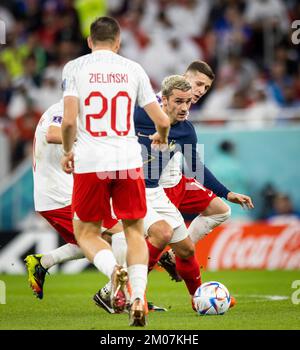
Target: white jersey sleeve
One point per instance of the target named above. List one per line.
(69, 81)
(52, 186)
(145, 93)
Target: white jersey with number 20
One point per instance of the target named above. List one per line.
(108, 86)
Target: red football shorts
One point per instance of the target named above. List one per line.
(61, 220)
(92, 193)
(189, 196)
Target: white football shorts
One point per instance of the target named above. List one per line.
(159, 207)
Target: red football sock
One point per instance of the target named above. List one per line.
(189, 270)
(154, 255)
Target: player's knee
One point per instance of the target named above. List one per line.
(187, 253)
(166, 234)
(226, 211)
(218, 219)
(227, 214)
(161, 233)
(184, 250)
(84, 232)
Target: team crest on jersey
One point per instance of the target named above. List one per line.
(159, 99)
(57, 119)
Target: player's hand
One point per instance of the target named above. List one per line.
(242, 199)
(158, 143)
(67, 163)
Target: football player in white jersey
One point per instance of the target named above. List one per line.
(100, 92)
(52, 198)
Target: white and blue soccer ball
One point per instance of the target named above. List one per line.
(211, 298)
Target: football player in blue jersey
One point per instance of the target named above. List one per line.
(198, 194)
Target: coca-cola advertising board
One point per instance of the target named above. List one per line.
(253, 246)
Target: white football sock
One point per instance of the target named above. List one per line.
(119, 247)
(138, 281)
(64, 253)
(198, 228)
(107, 288)
(201, 226)
(105, 262)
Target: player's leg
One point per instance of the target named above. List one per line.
(214, 211)
(159, 221)
(112, 232)
(214, 215)
(119, 247)
(191, 197)
(187, 265)
(186, 262)
(38, 264)
(211, 209)
(99, 252)
(158, 235)
(129, 204)
(114, 235)
(137, 257)
(90, 204)
(61, 220)
(93, 246)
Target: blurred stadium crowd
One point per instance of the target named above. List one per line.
(248, 44)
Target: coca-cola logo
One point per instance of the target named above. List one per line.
(242, 247)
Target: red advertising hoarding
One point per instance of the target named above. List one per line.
(253, 246)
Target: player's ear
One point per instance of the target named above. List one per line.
(89, 42)
(164, 100)
(117, 43)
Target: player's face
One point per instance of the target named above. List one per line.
(200, 83)
(177, 105)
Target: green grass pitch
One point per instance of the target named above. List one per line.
(263, 302)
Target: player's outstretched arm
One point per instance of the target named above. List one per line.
(242, 199)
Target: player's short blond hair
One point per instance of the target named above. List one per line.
(173, 82)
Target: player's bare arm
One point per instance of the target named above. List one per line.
(69, 124)
(53, 135)
(68, 129)
(242, 199)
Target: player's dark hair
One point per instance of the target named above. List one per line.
(202, 67)
(104, 29)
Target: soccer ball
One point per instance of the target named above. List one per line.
(211, 298)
